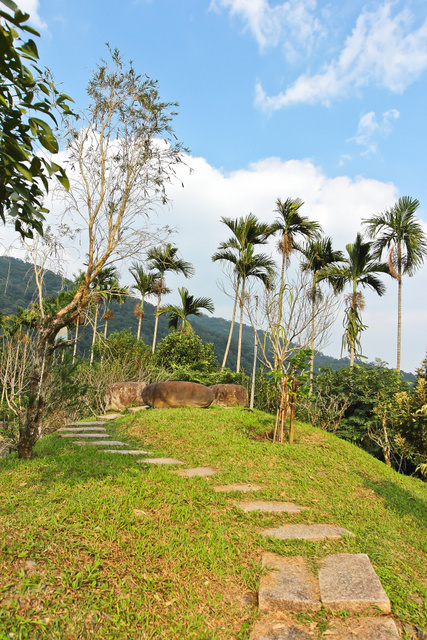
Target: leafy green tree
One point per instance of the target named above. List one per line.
(145, 285)
(190, 306)
(358, 269)
(121, 170)
(247, 232)
(26, 96)
(187, 350)
(398, 232)
(164, 259)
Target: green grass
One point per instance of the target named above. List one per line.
(76, 562)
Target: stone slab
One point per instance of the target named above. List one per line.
(306, 532)
(162, 461)
(272, 629)
(288, 586)
(197, 471)
(129, 452)
(364, 629)
(94, 423)
(238, 487)
(109, 443)
(85, 435)
(135, 409)
(110, 416)
(82, 430)
(270, 506)
(348, 582)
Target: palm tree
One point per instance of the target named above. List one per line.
(163, 259)
(359, 268)
(318, 254)
(105, 282)
(146, 286)
(190, 306)
(251, 265)
(246, 231)
(398, 232)
(291, 226)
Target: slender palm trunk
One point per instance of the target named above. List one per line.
(227, 349)
(399, 307)
(156, 322)
(313, 312)
(282, 284)
(140, 320)
(239, 344)
(94, 333)
(75, 340)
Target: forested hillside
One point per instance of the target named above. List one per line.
(17, 289)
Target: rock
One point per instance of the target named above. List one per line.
(123, 394)
(288, 586)
(174, 394)
(272, 629)
(201, 472)
(230, 395)
(270, 506)
(366, 628)
(348, 581)
(306, 532)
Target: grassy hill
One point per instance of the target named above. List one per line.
(17, 289)
(100, 546)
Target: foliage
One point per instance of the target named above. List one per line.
(359, 268)
(25, 95)
(190, 306)
(185, 350)
(123, 157)
(121, 357)
(350, 402)
(400, 234)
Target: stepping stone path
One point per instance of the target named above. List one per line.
(110, 416)
(162, 461)
(270, 507)
(306, 532)
(289, 585)
(238, 487)
(348, 581)
(198, 471)
(107, 443)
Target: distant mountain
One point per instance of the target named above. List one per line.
(17, 288)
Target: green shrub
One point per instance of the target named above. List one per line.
(186, 351)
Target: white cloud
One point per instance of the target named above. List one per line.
(370, 128)
(338, 203)
(381, 51)
(32, 7)
(291, 24)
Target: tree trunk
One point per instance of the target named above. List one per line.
(239, 344)
(313, 312)
(156, 322)
(94, 333)
(399, 310)
(30, 428)
(386, 445)
(293, 403)
(227, 349)
(75, 341)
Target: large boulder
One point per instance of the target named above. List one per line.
(173, 394)
(230, 395)
(123, 394)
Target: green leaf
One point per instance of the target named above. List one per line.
(25, 171)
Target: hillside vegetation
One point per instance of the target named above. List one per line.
(101, 546)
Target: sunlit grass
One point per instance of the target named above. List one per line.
(78, 561)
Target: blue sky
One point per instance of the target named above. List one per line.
(325, 101)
